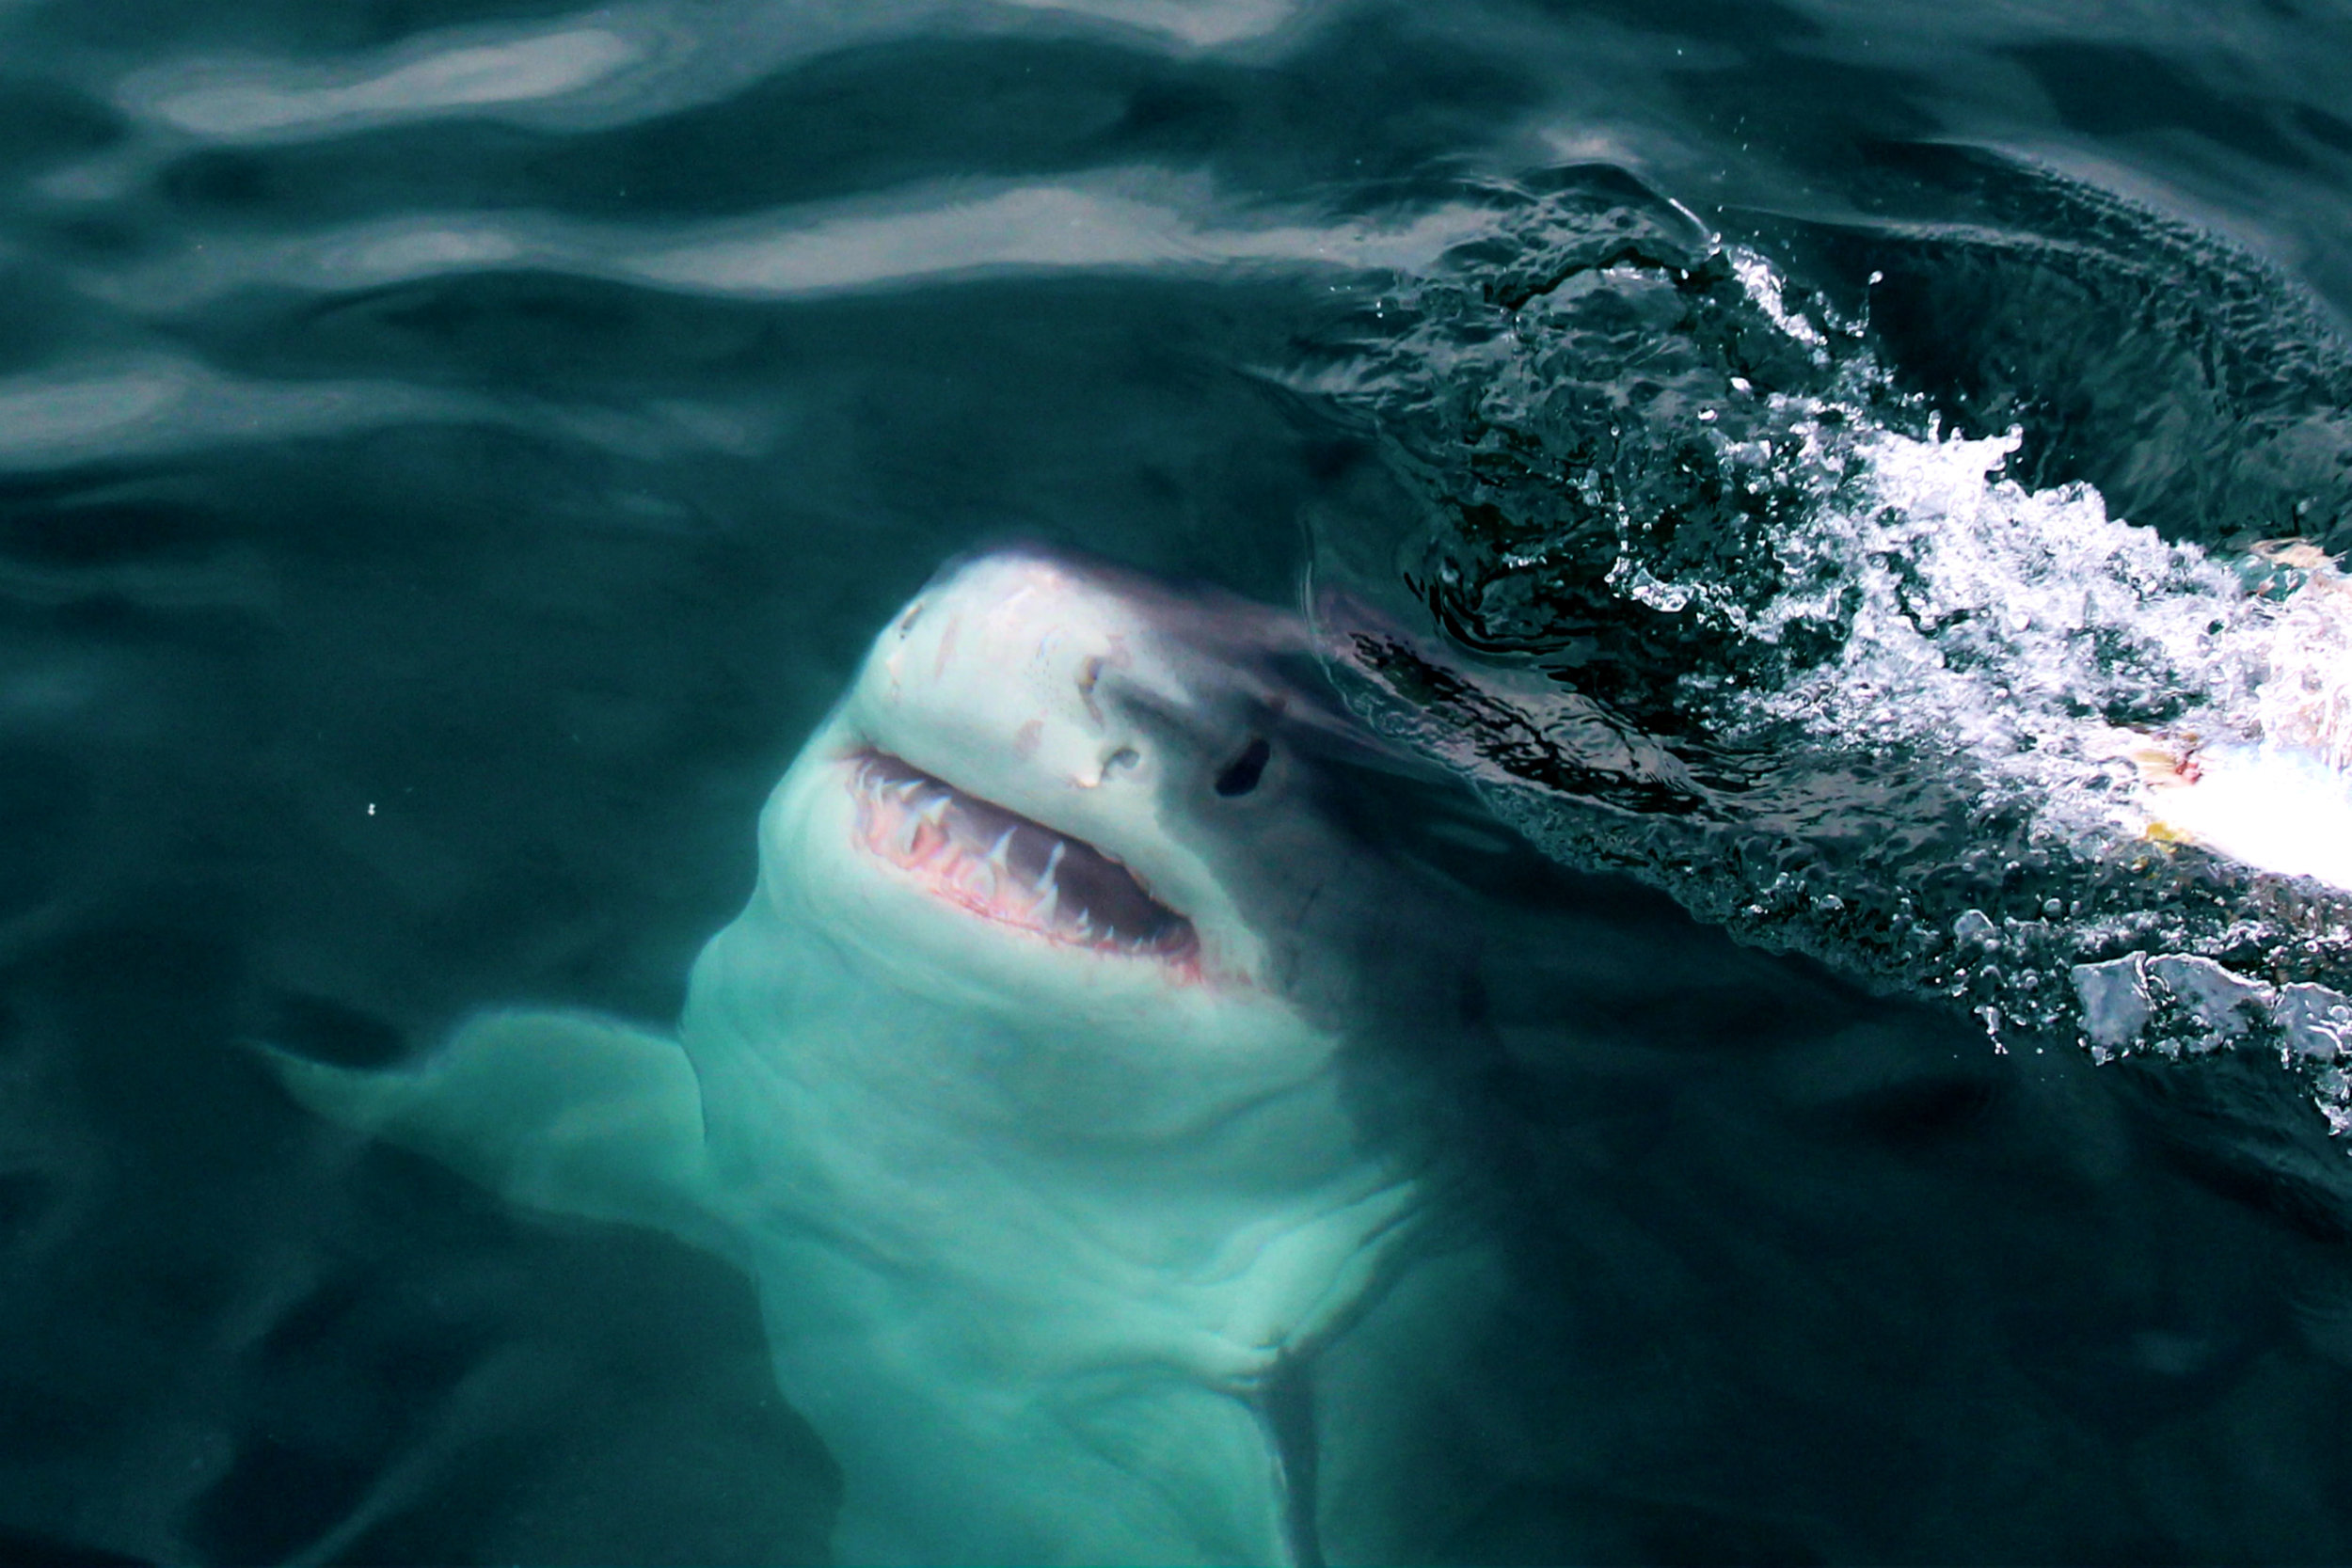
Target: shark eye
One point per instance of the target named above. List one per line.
(1242, 774)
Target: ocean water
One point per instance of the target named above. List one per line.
(451, 453)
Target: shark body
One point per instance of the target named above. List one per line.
(1044, 1086)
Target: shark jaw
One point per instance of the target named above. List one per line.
(1001, 867)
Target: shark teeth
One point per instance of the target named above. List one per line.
(997, 864)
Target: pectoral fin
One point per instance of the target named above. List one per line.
(563, 1112)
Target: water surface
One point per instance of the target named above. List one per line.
(451, 454)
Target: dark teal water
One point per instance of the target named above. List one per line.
(451, 454)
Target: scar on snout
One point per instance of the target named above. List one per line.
(946, 646)
(1090, 671)
(1126, 756)
(1025, 739)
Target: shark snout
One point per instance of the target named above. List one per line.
(1024, 668)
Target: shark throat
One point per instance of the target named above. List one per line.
(1004, 868)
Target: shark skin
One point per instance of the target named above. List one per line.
(1048, 1087)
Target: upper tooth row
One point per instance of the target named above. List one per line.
(933, 811)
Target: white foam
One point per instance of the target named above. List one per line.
(2119, 684)
(2271, 807)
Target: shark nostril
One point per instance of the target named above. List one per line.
(1242, 774)
(1126, 756)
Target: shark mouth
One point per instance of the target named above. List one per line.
(1007, 868)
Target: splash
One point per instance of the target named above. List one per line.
(1722, 606)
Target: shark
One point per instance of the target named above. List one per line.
(1066, 1087)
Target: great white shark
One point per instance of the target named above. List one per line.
(1066, 1087)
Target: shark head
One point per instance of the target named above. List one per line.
(1084, 810)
